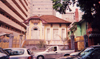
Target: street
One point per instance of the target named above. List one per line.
(49, 29)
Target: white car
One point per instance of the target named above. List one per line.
(52, 53)
(19, 53)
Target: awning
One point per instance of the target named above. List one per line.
(1, 34)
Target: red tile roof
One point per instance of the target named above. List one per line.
(48, 19)
(32, 17)
(53, 19)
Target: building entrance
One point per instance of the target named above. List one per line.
(35, 33)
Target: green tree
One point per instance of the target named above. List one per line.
(91, 9)
(61, 6)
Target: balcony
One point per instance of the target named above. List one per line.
(10, 22)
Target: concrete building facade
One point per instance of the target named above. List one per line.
(12, 15)
(69, 16)
(41, 7)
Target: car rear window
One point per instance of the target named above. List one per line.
(15, 51)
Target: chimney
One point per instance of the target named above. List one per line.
(76, 15)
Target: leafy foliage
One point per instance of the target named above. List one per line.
(91, 9)
(61, 5)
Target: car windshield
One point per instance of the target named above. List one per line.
(86, 52)
(15, 51)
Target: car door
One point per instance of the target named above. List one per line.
(51, 53)
(59, 54)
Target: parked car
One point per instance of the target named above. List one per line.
(3, 54)
(19, 53)
(52, 52)
(92, 52)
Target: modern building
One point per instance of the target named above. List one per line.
(69, 16)
(12, 15)
(41, 7)
(49, 28)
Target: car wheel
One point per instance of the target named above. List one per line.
(66, 54)
(40, 57)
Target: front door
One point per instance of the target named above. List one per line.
(35, 33)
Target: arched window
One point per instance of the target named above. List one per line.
(35, 29)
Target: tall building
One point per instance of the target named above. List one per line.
(41, 7)
(69, 16)
(12, 15)
(73, 16)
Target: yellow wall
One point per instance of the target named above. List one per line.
(44, 27)
(80, 42)
(15, 42)
(31, 25)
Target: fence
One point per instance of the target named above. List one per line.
(4, 43)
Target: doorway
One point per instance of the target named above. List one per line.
(35, 33)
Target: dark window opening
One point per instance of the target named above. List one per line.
(68, 32)
(35, 29)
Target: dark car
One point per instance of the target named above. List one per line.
(92, 52)
(3, 54)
